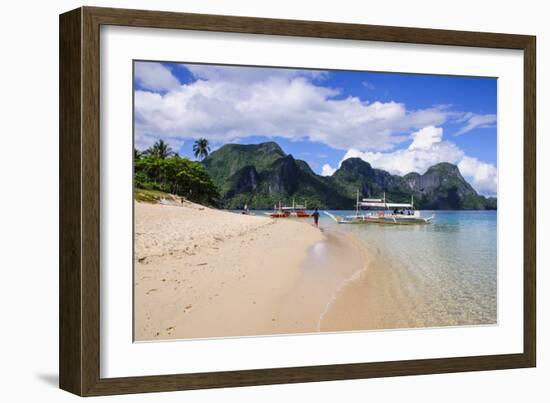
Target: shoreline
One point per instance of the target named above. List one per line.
(373, 299)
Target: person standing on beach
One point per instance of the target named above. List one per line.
(315, 216)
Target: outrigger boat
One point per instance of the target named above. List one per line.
(299, 210)
(278, 212)
(296, 210)
(387, 213)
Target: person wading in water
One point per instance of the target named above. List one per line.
(315, 216)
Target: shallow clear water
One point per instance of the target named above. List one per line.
(447, 269)
(443, 273)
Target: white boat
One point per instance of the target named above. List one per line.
(386, 213)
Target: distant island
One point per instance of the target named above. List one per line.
(260, 175)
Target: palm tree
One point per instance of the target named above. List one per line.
(201, 148)
(160, 150)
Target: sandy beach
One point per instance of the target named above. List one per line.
(202, 272)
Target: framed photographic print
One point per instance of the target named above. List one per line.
(249, 201)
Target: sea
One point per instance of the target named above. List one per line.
(445, 272)
(447, 269)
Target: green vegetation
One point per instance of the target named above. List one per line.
(160, 169)
(159, 150)
(232, 160)
(262, 175)
(201, 148)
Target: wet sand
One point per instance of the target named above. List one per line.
(328, 267)
(373, 299)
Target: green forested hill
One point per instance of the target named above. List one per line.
(261, 175)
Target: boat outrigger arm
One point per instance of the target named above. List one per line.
(388, 213)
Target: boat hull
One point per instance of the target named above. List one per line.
(302, 215)
(382, 219)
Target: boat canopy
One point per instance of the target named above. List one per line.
(291, 208)
(385, 205)
(296, 207)
(382, 203)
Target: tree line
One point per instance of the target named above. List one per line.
(160, 168)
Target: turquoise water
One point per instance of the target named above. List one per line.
(443, 273)
(447, 270)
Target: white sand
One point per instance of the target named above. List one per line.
(201, 272)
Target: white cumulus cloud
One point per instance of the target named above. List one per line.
(229, 103)
(155, 77)
(226, 104)
(428, 148)
(483, 176)
(327, 170)
(426, 137)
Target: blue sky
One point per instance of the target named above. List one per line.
(397, 122)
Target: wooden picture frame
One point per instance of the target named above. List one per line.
(79, 348)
